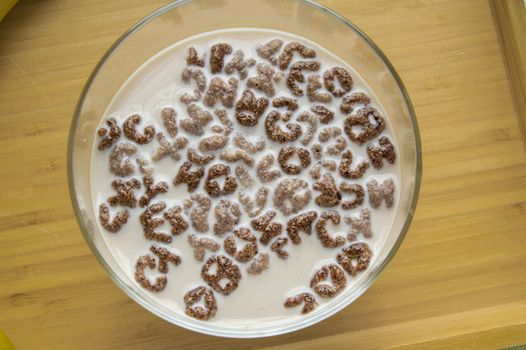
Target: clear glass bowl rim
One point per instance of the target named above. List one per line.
(202, 328)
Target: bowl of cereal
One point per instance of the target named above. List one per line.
(244, 176)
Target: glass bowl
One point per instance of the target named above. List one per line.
(185, 18)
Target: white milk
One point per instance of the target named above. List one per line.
(259, 298)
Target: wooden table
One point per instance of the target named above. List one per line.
(458, 281)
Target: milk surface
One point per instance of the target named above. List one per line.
(259, 298)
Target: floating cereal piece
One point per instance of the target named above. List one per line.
(286, 57)
(385, 149)
(151, 190)
(313, 85)
(244, 178)
(219, 91)
(197, 311)
(276, 133)
(292, 195)
(363, 119)
(222, 115)
(254, 207)
(316, 151)
(344, 79)
(264, 171)
(360, 224)
(248, 251)
(217, 56)
(353, 99)
(249, 109)
(212, 186)
(263, 82)
(144, 166)
(328, 164)
(333, 132)
(168, 148)
(296, 75)
(321, 230)
(259, 264)
(355, 189)
(290, 103)
(337, 279)
(176, 220)
(212, 143)
(278, 77)
(196, 120)
(269, 50)
(233, 155)
(227, 216)
(193, 59)
(125, 195)
(199, 77)
(346, 169)
(329, 196)
(168, 115)
(142, 263)
(359, 252)
(119, 165)
(201, 244)
(265, 225)
(328, 132)
(129, 128)
(239, 64)
(224, 269)
(198, 159)
(109, 137)
(312, 121)
(287, 152)
(308, 300)
(241, 141)
(277, 247)
(191, 178)
(378, 192)
(115, 225)
(218, 129)
(324, 114)
(149, 223)
(199, 214)
(165, 257)
(303, 223)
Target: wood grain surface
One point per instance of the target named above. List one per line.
(510, 19)
(458, 281)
